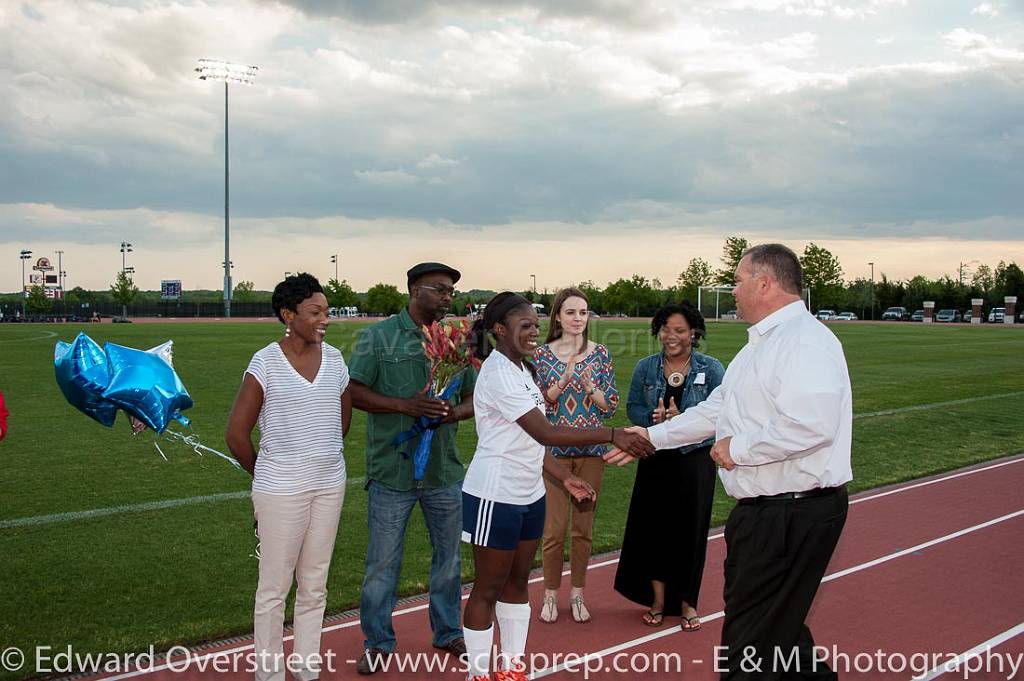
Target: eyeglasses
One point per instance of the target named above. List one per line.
(440, 289)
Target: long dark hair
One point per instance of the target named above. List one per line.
(555, 326)
(494, 313)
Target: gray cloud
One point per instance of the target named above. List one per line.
(624, 13)
(459, 128)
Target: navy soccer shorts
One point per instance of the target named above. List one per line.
(500, 526)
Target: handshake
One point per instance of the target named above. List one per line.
(630, 444)
(635, 444)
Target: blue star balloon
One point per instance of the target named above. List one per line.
(83, 373)
(145, 385)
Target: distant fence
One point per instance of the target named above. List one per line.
(161, 309)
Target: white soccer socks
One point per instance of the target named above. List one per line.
(514, 623)
(478, 649)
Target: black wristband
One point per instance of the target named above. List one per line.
(612, 440)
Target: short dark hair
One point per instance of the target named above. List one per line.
(495, 312)
(690, 313)
(781, 262)
(292, 291)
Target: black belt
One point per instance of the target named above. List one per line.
(793, 496)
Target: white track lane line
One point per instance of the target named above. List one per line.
(72, 516)
(936, 405)
(828, 578)
(174, 503)
(976, 651)
(49, 334)
(614, 649)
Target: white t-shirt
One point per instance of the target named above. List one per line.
(508, 463)
(301, 446)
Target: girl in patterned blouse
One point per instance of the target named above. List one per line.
(577, 380)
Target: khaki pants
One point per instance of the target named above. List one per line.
(556, 521)
(297, 533)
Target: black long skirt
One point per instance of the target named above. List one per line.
(666, 535)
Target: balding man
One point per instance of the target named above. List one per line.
(783, 420)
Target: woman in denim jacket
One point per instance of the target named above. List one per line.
(658, 569)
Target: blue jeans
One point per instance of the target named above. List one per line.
(387, 517)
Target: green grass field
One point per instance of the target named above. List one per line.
(121, 582)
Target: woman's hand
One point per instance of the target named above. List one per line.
(632, 441)
(588, 380)
(658, 415)
(673, 409)
(570, 368)
(580, 489)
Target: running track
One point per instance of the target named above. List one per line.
(935, 566)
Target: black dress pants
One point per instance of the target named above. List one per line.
(777, 553)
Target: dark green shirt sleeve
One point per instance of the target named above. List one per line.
(363, 366)
(469, 382)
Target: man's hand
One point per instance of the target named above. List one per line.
(422, 405)
(720, 454)
(620, 456)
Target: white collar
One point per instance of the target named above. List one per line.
(783, 314)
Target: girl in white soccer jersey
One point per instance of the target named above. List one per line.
(503, 493)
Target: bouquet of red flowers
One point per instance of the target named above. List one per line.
(450, 355)
(447, 348)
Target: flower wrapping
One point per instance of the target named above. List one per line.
(447, 350)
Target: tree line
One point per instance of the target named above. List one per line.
(633, 296)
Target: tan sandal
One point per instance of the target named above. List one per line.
(549, 610)
(580, 614)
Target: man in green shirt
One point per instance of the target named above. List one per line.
(389, 373)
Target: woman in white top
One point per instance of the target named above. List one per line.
(296, 390)
(503, 493)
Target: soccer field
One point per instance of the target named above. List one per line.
(926, 399)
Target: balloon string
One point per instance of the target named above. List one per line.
(160, 450)
(256, 531)
(197, 446)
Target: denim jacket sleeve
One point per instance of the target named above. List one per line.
(637, 408)
(715, 373)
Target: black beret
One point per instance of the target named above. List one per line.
(427, 267)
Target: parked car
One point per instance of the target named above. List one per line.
(948, 316)
(846, 317)
(896, 314)
(967, 316)
(825, 315)
(996, 315)
(918, 316)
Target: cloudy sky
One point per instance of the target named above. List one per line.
(574, 140)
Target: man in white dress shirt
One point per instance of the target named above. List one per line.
(783, 420)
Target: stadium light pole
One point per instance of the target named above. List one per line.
(213, 69)
(125, 248)
(534, 277)
(25, 255)
(334, 259)
(872, 290)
